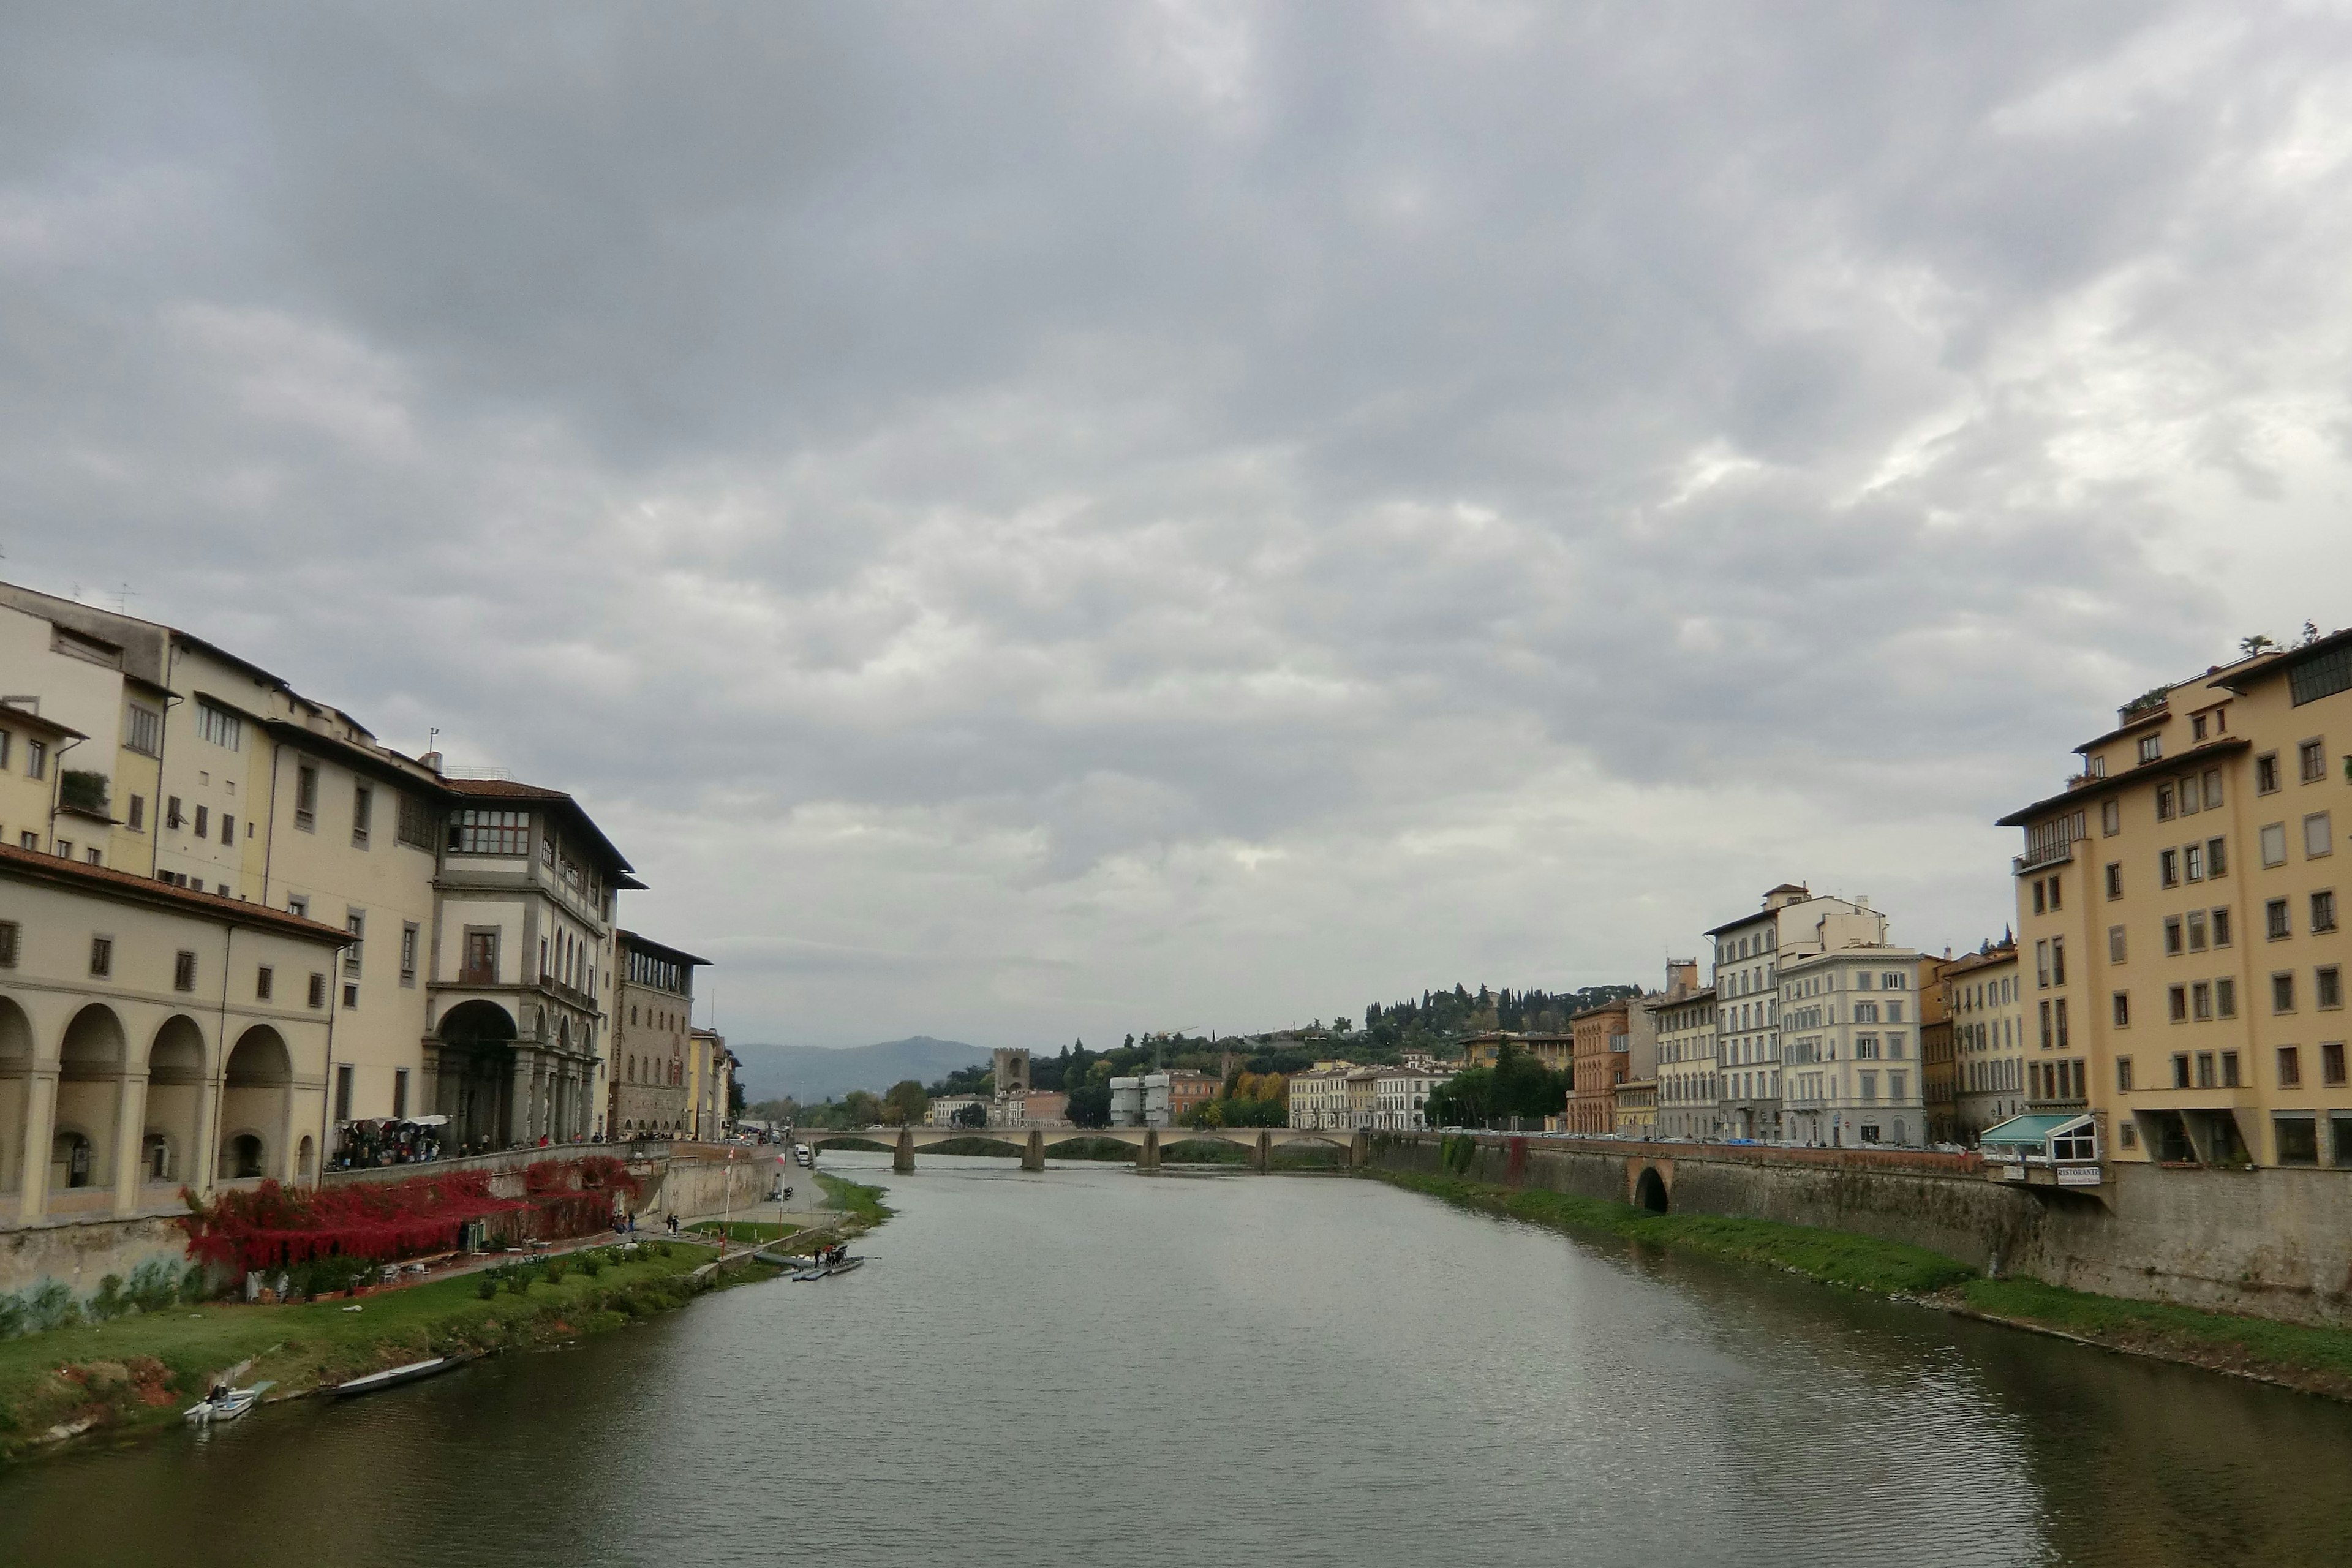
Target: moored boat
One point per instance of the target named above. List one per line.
(394, 1376)
(224, 1404)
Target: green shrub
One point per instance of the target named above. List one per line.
(50, 1305)
(12, 1315)
(518, 1281)
(155, 1285)
(591, 1264)
(487, 1286)
(555, 1271)
(109, 1303)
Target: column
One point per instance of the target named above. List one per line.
(1262, 1157)
(903, 1160)
(40, 1127)
(130, 1138)
(517, 1128)
(203, 1158)
(1032, 1158)
(1150, 1160)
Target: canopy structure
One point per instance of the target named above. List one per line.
(2060, 1135)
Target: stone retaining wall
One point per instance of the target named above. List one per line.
(2270, 1243)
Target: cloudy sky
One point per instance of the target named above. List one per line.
(1029, 521)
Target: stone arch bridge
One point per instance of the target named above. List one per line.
(1031, 1143)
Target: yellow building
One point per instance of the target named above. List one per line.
(2179, 948)
(33, 753)
(1987, 1014)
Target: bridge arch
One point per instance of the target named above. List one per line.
(1650, 1191)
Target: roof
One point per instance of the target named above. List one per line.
(1659, 1004)
(646, 944)
(1622, 1004)
(384, 765)
(1969, 962)
(508, 789)
(11, 713)
(105, 882)
(1875, 952)
(2253, 672)
(2035, 1130)
(2091, 789)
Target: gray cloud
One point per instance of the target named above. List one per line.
(1030, 519)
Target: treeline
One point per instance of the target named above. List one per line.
(1517, 1085)
(1443, 1017)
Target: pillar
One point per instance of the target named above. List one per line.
(32, 1158)
(1262, 1157)
(1032, 1158)
(129, 1139)
(1150, 1160)
(903, 1160)
(518, 1129)
(1359, 1150)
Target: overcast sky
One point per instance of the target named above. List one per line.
(1030, 520)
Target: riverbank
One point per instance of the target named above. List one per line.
(136, 1375)
(2309, 1359)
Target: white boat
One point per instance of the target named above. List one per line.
(225, 1404)
(394, 1376)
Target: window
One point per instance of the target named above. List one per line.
(2164, 803)
(354, 922)
(2311, 761)
(2225, 998)
(2229, 1069)
(2172, 934)
(2275, 918)
(2040, 904)
(2151, 748)
(220, 726)
(343, 1092)
(2217, 858)
(399, 1093)
(2321, 676)
(2331, 1063)
(2181, 1070)
(318, 990)
(142, 730)
(2122, 1001)
(2274, 838)
(2188, 796)
(415, 822)
(2167, 867)
(2045, 1025)
(2266, 774)
(172, 815)
(36, 759)
(135, 818)
(482, 958)
(2328, 986)
(2317, 837)
(350, 996)
(2114, 880)
(2042, 964)
(2115, 944)
(102, 956)
(2212, 789)
(2197, 930)
(184, 971)
(2123, 1074)
(490, 833)
(2179, 995)
(2205, 1069)
(2323, 909)
(11, 937)
(298, 904)
(6, 737)
(2297, 1138)
(228, 828)
(2197, 727)
(2201, 1001)
(204, 822)
(305, 797)
(2062, 1023)
(2194, 859)
(262, 979)
(363, 814)
(2222, 927)
(91, 855)
(2283, 993)
(2290, 1067)
(2057, 895)
(409, 933)
(2111, 817)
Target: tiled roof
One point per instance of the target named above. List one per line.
(107, 882)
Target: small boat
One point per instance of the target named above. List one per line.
(394, 1376)
(821, 1271)
(225, 1404)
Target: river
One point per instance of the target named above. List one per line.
(1088, 1365)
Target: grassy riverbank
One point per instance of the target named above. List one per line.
(2313, 1360)
(140, 1372)
(860, 1204)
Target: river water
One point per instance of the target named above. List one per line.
(1088, 1365)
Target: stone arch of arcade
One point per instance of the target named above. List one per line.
(479, 1069)
(1653, 1188)
(257, 1114)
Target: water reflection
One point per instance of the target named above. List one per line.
(1089, 1365)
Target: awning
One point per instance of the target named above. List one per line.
(2033, 1131)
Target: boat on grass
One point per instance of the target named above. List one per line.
(224, 1404)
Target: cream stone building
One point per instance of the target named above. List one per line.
(1748, 954)
(152, 1038)
(1989, 1035)
(1686, 1094)
(653, 1016)
(1401, 1094)
(1850, 1020)
(477, 979)
(2181, 941)
(1318, 1097)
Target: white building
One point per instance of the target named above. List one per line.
(942, 1110)
(1748, 955)
(1400, 1092)
(1318, 1097)
(1850, 1018)
(1687, 1048)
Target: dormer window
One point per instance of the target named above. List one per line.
(2151, 748)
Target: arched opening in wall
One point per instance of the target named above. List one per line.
(16, 1086)
(255, 1096)
(1650, 1190)
(478, 1074)
(71, 1158)
(89, 1091)
(175, 1079)
(304, 1153)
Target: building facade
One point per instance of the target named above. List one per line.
(1851, 1019)
(1988, 1056)
(652, 1015)
(2181, 947)
(1603, 1044)
(1686, 1072)
(1401, 1096)
(1748, 955)
(1318, 1097)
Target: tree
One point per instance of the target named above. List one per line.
(1089, 1105)
(2255, 644)
(905, 1104)
(734, 1100)
(972, 1115)
(859, 1108)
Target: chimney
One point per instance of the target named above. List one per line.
(431, 760)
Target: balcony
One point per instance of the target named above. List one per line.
(2034, 859)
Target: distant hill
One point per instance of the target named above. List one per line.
(813, 1073)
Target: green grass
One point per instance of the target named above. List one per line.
(744, 1230)
(145, 1369)
(1109, 1149)
(2310, 1357)
(1832, 1256)
(860, 1202)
